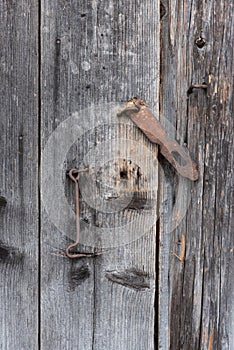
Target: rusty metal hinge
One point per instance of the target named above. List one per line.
(144, 119)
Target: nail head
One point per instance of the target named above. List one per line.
(200, 42)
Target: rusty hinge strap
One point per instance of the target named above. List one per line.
(138, 112)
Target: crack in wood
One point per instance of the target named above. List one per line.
(162, 10)
(3, 202)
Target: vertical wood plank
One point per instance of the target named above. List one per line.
(97, 52)
(196, 47)
(18, 180)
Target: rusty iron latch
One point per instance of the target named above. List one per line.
(74, 176)
(144, 119)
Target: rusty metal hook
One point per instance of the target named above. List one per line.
(74, 176)
(144, 119)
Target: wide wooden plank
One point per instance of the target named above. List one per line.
(196, 301)
(19, 179)
(95, 53)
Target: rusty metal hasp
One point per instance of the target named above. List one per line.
(74, 175)
(144, 119)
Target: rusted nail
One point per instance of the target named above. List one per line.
(144, 119)
(196, 86)
(182, 249)
(74, 175)
(200, 42)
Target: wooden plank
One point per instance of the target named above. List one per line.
(197, 299)
(19, 180)
(95, 53)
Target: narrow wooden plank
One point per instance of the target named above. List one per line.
(93, 53)
(196, 303)
(19, 180)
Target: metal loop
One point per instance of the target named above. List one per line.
(75, 178)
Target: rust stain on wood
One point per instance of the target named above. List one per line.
(210, 345)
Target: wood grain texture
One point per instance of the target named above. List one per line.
(96, 52)
(196, 307)
(18, 179)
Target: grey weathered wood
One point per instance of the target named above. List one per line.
(196, 304)
(18, 180)
(93, 53)
(97, 52)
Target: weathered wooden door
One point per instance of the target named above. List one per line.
(165, 277)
